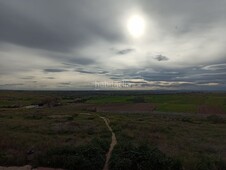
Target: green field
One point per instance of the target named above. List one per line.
(174, 136)
(170, 102)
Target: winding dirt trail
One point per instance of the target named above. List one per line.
(113, 140)
(113, 143)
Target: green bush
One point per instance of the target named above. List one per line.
(70, 118)
(138, 99)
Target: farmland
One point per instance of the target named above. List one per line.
(64, 130)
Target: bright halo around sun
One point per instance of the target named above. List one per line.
(136, 26)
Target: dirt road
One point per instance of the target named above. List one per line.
(113, 143)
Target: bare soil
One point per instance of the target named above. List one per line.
(207, 109)
(126, 108)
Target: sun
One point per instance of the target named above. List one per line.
(136, 26)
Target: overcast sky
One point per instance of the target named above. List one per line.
(71, 44)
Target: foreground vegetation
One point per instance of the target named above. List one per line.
(196, 141)
(58, 134)
(52, 137)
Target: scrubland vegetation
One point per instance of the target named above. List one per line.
(185, 131)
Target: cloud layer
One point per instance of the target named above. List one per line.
(71, 44)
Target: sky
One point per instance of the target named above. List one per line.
(88, 45)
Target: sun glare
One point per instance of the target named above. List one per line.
(136, 26)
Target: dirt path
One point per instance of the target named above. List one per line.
(113, 143)
(113, 140)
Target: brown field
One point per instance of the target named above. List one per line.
(209, 109)
(126, 108)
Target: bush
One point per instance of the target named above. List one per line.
(128, 157)
(221, 164)
(215, 119)
(9, 159)
(204, 164)
(139, 99)
(187, 119)
(70, 118)
(87, 157)
(50, 102)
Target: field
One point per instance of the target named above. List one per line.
(66, 130)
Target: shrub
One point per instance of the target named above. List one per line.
(187, 119)
(128, 157)
(139, 99)
(221, 164)
(70, 118)
(50, 102)
(204, 163)
(215, 119)
(87, 157)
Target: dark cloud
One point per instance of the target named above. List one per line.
(50, 78)
(54, 25)
(12, 84)
(61, 26)
(161, 58)
(28, 78)
(125, 51)
(161, 74)
(54, 70)
(65, 83)
(86, 72)
(21, 29)
(115, 78)
(81, 70)
(82, 61)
